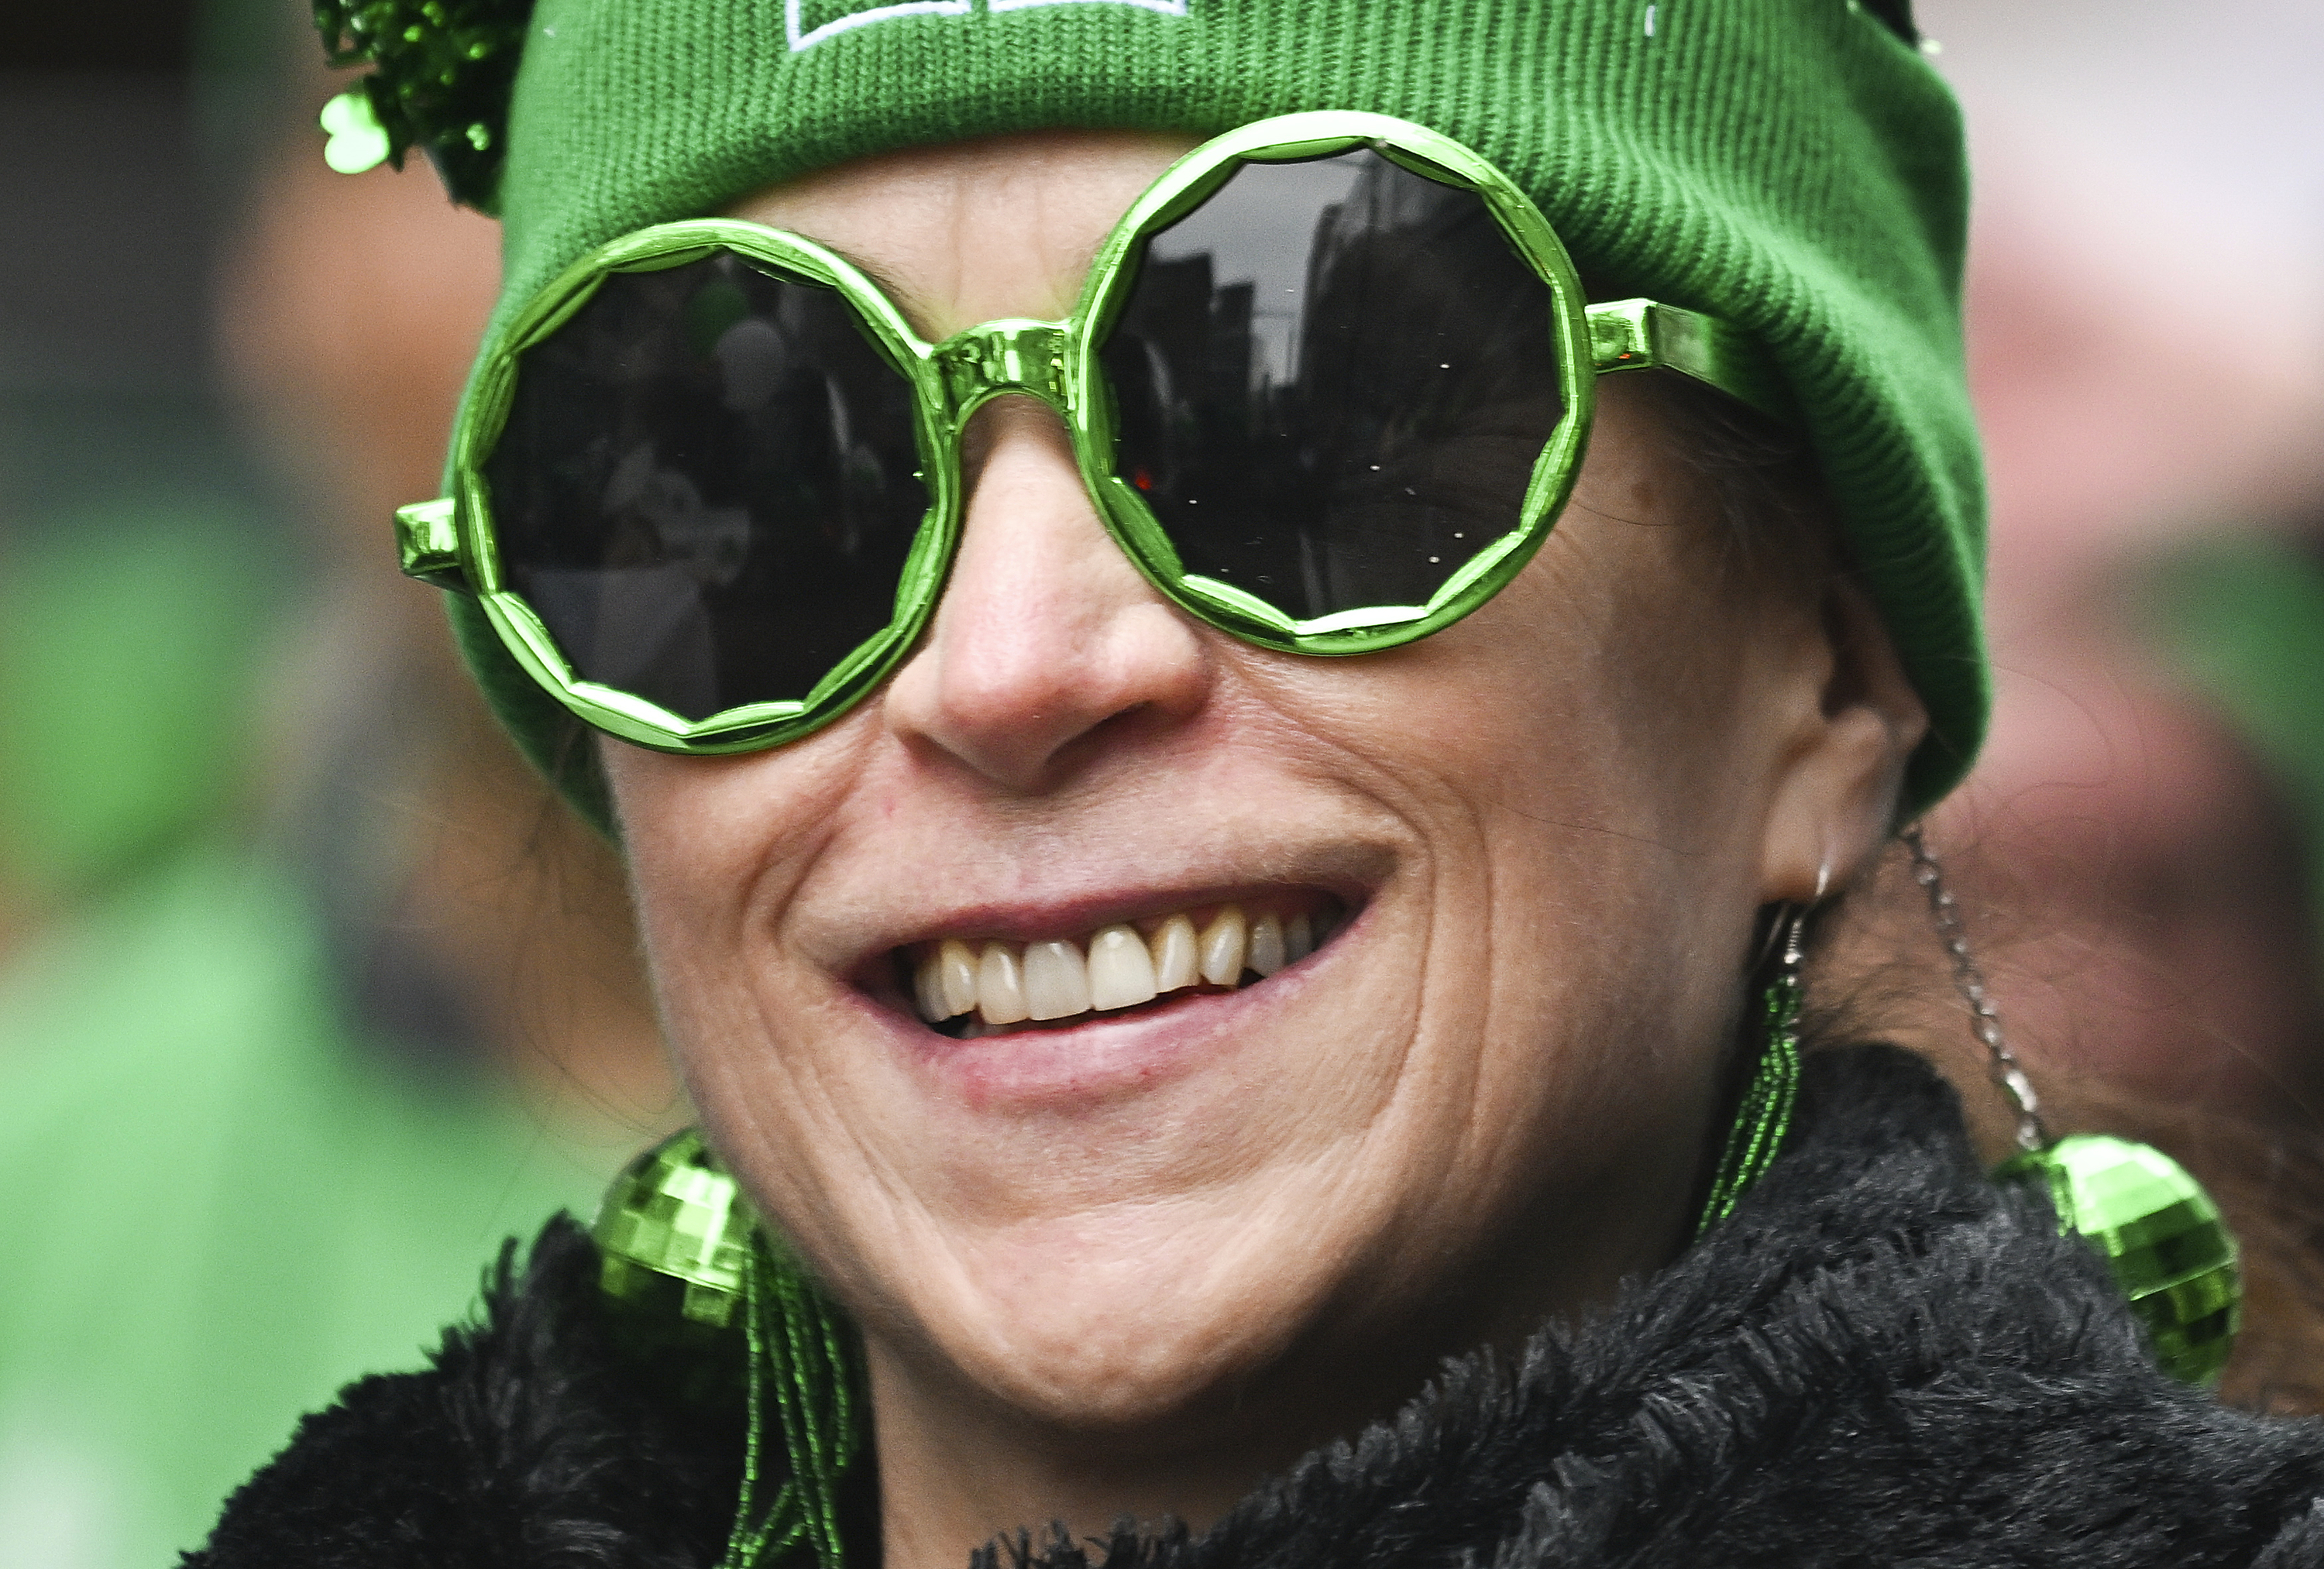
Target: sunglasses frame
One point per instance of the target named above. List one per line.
(451, 541)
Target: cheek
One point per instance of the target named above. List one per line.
(711, 832)
(1572, 759)
(1572, 706)
(718, 848)
(719, 851)
(1578, 756)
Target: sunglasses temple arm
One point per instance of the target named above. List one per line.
(1644, 334)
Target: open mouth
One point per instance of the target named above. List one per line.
(968, 988)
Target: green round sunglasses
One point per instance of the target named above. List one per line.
(1328, 383)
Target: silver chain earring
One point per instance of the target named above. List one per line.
(2148, 1216)
(1969, 981)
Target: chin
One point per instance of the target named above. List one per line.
(1139, 1330)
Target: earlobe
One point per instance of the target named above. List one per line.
(1834, 804)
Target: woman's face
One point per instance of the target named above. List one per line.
(1543, 835)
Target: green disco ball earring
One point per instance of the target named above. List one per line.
(2160, 1233)
(713, 1305)
(675, 1236)
(674, 1241)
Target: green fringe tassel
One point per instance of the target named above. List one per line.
(804, 1356)
(1764, 1115)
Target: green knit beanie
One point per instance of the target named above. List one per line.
(1793, 166)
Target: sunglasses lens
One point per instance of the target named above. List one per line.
(708, 485)
(1331, 380)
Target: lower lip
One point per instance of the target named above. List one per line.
(1102, 1058)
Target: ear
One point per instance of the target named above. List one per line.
(1857, 718)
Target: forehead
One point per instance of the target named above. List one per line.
(974, 231)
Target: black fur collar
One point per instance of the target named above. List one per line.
(1881, 1359)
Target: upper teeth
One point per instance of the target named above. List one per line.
(1007, 983)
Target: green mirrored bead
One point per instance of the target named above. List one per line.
(674, 1234)
(2162, 1235)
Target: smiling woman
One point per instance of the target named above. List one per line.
(1067, 765)
(1225, 767)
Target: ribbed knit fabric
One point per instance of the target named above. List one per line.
(1790, 165)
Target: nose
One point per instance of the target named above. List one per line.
(1047, 636)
